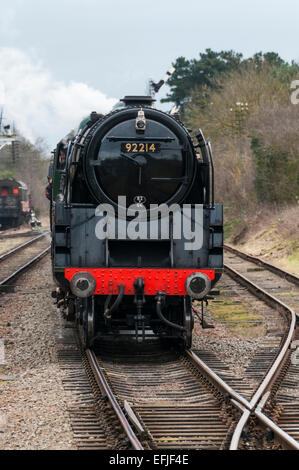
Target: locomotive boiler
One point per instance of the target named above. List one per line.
(136, 234)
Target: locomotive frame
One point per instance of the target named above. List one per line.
(135, 287)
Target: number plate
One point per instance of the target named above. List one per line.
(139, 147)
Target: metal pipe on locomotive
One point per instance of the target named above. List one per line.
(123, 285)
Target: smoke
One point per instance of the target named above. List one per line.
(41, 106)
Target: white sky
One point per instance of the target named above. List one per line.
(60, 59)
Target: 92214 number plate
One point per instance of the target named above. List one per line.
(139, 147)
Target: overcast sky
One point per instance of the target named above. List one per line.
(61, 59)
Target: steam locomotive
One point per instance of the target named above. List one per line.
(136, 234)
(14, 203)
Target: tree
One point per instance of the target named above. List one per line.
(31, 167)
(253, 127)
(206, 73)
(271, 58)
(199, 73)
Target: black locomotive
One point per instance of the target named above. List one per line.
(119, 274)
(14, 203)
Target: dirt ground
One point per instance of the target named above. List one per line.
(273, 236)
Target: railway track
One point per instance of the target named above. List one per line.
(16, 233)
(277, 391)
(163, 398)
(15, 262)
(166, 399)
(149, 396)
(256, 265)
(174, 400)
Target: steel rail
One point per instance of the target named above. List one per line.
(272, 301)
(246, 407)
(280, 272)
(256, 403)
(5, 235)
(216, 379)
(23, 268)
(202, 369)
(133, 418)
(103, 384)
(280, 433)
(22, 246)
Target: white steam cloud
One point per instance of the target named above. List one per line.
(40, 105)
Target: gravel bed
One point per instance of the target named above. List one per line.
(10, 243)
(236, 352)
(33, 407)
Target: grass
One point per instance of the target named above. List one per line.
(293, 260)
(237, 315)
(230, 227)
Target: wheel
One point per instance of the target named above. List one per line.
(188, 322)
(88, 323)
